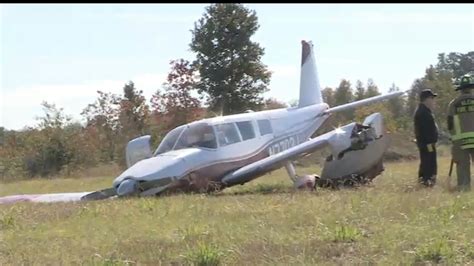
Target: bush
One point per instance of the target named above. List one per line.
(437, 251)
(205, 255)
(46, 152)
(344, 233)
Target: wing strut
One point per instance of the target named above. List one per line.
(290, 168)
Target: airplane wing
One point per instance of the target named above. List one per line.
(338, 140)
(52, 197)
(352, 105)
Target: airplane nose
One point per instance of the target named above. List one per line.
(161, 167)
(127, 187)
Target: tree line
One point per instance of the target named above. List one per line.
(227, 77)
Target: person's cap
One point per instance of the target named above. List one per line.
(427, 93)
(467, 82)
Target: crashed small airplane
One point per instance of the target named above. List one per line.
(220, 152)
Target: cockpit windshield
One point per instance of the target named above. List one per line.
(197, 135)
(169, 141)
(187, 136)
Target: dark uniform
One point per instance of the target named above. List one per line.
(426, 132)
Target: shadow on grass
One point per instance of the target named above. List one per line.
(260, 189)
(272, 189)
(445, 186)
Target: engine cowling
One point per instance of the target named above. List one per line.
(364, 147)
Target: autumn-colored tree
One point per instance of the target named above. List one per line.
(176, 105)
(134, 112)
(103, 120)
(133, 118)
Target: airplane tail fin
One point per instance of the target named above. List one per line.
(310, 91)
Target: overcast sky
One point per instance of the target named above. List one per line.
(63, 54)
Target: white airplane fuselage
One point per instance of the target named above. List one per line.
(219, 152)
(287, 128)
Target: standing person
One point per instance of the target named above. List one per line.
(461, 127)
(426, 132)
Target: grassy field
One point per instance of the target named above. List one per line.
(392, 221)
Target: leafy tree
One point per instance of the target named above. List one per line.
(55, 146)
(362, 112)
(229, 63)
(372, 89)
(440, 82)
(328, 96)
(397, 108)
(344, 95)
(273, 103)
(53, 117)
(396, 105)
(2, 135)
(360, 91)
(457, 64)
(51, 153)
(103, 121)
(412, 101)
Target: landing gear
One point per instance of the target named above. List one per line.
(300, 182)
(290, 168)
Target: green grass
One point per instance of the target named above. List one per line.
(390, 222)
(204, 254)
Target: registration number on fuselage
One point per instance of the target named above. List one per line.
(283, 144)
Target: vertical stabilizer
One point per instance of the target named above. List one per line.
(310, 92)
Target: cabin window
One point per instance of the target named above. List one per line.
(199, 135)
(265, 127)
(246, 130)
(169, 140)
(227, 134)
